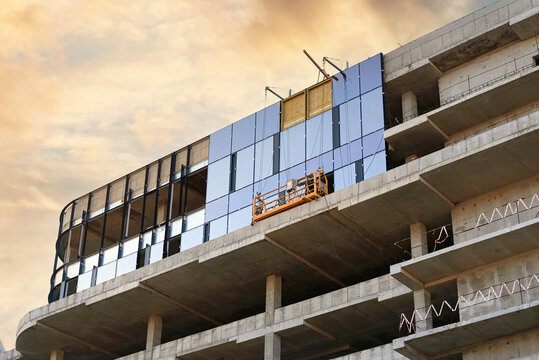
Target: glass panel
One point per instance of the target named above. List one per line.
(216, 208)
(292, 149)
(194, 219)
(192, 238)
(319, 134)
(160, 234)
(372, 111)
(218, 179)
(240, 219)
(267, 185)
(66, 218)
(156, 252)
(319, 98)
(374, 165)
(147, 238)
(267, 121)
(84, 281)
(293, 110)
(80, 207)
(370, 73)
(136, 182)
(341, 156)
(116, 194)
(98, 201)
(110, 254)
(58, 277)
(243, 133)
(324, 161)
(106, 272)
(165, 171)
(220, 143)
(73, 270)
(296, 172)
(241, 198)
(263, 159)
(373, 143)
(345, 177)
(244, 167)
(130, 246)
(127, 264)
(90, 262)
(176, 227)
(181, 161)
(356, 151)
(346, 90)
(349, 121)
(152, 176)
(199, 152)
(218, 227)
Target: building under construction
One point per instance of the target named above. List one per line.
(390, 211)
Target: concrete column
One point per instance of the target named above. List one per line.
(273, 297)
(421, 302)
(272, 347)
(418, 239)
(153, 337)
(57, 355)
(409, 105)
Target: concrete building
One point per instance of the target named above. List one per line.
(426, 247)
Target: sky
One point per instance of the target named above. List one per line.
(92, 90)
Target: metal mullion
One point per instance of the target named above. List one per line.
(105, 217)
(157, 193)
(144, 198)
(170, 194)
(85, 224)
(127, 199)
(186, 179)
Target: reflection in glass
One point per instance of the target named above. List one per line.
(244, 167)
(192, 238)
(350, 121)
(218, 227)
(220, 143)
(267, 185)
(345, 176)
(319, 134)
(218, 179)
(345, 90)
(216, 208)
(127, 264)
(194, 219)
(292, 148)
(370, 73)
(324, 161)
(374, 165)
(372, 111)
(296, 172)
(268, 121)
(243, 133)
(240, 219)
(241, 198)
(106, 272)
(264, 159)
(156, 252)
(373, 143)
(356, 151)
(341, 156)
(84, 281)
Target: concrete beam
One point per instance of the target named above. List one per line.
(320, 330)
(352, 225)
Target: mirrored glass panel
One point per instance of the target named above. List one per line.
(243, 133)
(319, 134)
(156, 252)
(268, 121)
(372, 111)
(350, 121)
(106, 272)
(220, 143)
(84, 281)
(292, 149)
(370, 73)
(218, 227)
(374, 165)
(264, 159)
(356, 151)
(110, 254)
(245, 167)
(216, 208)
(296, 172)
(346, 90)
(218, 179)
(345, 177)
(267, 185)
(324, 161)
(241, 198)
(341, 156)
(194, 219)
(127, 264)
(130, 246)
(373, 143)
(239, 219)
(192, 238)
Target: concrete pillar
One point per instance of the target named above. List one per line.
(273, 297)
(409, 105)
(421, 302)
(272, 347)
(418, 240)
(153, 337)
(57, 355)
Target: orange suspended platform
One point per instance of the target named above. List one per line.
(294, 193)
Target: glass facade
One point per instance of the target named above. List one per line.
(205, 190)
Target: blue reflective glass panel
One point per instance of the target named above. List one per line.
(370, 73)
(345, 176)
(267, 185)
(218, 179)
(192, 238)
(372, 111)
(373, 143)
(292, 149)
(218, 227)
(216, 209)
(319, 134)
(324, 161)
(220, 144)
(374, 165)
(268, 121)
(241, 198)
(356, 151)
(264, 159)
(296, 172)
(350, 121)
(341, 156)
(346, 90)
(243, 133)
(244, 167)
(240, 218)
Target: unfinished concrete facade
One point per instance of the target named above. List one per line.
(436, 258)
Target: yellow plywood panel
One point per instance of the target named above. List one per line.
(319, 98)
(293, 110)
